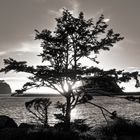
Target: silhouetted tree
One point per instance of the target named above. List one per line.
(39, 109)
(73, 39)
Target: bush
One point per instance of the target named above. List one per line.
(39, 109)
(121, 127)
(80, 125)
(43, 134)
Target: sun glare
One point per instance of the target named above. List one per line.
(74, 114)
(76, 85)
(66, 88)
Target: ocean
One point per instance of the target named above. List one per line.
(15, 108)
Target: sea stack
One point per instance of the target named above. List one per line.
(4, 87)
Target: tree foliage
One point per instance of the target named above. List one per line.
(73, 39)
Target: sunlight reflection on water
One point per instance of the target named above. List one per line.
(14, 107)
(75, 113)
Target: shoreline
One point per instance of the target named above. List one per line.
(57, 95)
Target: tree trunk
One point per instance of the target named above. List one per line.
(68, 112)
(46, 117)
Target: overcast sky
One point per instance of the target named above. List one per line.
(19, 18)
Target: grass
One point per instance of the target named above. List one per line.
(121, 129)
(40, 133)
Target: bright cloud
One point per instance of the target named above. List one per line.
(28, 47)
(14, 78)
(132, 69)
(24, 47)
(106, 19)
(2, 53)
(17, 83)
(74, 9)
(130, 86)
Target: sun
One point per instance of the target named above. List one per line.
(76, 85)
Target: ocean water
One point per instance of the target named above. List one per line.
(15, 108)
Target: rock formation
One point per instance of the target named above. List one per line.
(7, 122)
(103, 85)
(4, 88)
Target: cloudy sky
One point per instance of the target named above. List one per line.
(19, 18)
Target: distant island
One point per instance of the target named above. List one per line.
(4, 87)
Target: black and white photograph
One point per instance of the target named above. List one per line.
(69, 69)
